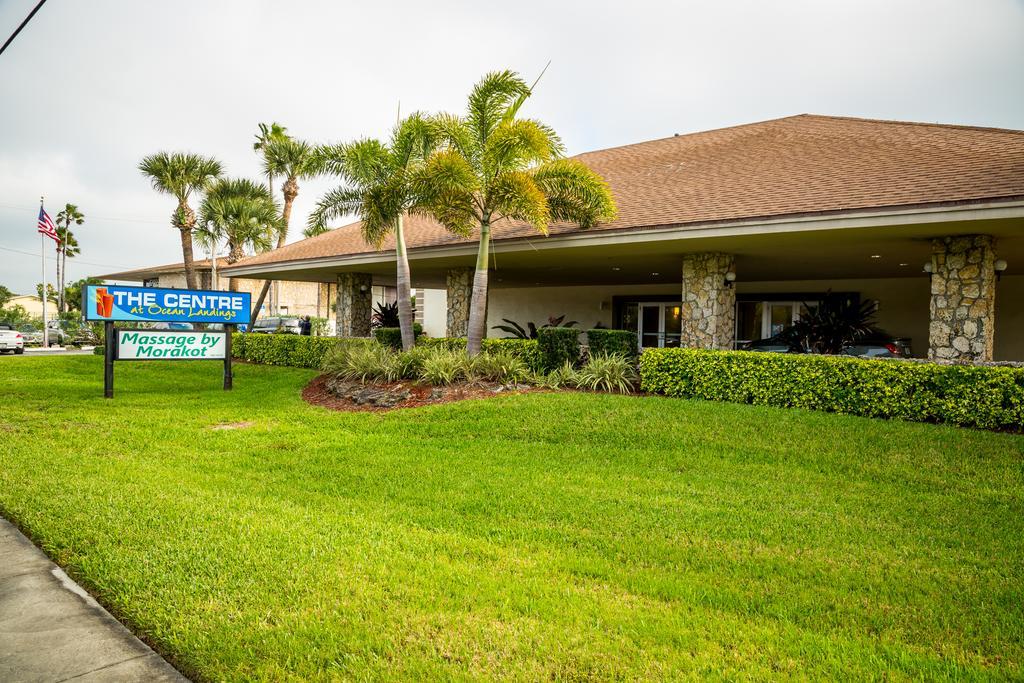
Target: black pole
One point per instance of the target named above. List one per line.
(21, 26)
(108, 359)
(227, 356)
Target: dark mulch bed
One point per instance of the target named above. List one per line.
(383, 396)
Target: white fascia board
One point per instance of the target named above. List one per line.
(846, 221)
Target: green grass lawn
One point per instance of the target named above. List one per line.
(566, 536)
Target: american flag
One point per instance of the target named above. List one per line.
(46, 226)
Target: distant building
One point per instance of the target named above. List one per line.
(33, 305)
(285, 298)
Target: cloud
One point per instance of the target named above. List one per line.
(89, 88)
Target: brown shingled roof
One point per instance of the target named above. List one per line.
(799, 165)
(153, 271)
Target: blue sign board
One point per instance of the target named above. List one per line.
(154, 304)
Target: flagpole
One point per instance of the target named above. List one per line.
(42, 295)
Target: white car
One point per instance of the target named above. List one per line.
(11, 339)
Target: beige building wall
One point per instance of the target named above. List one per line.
(902, 305)
(33, 305)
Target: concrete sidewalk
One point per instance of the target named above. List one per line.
(52, 630)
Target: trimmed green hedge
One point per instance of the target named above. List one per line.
(286, 349)
(392, 336)
(612, 343)
(558, 346)
(973, 396)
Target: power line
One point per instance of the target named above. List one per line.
(91, 216)
(54, 258)
(21, 26)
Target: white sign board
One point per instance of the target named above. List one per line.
(170, 345)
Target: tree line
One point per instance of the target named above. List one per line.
(466, 171)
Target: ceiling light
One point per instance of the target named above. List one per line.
(876, 256)
(904, 264)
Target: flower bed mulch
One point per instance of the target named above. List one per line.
(335, 394)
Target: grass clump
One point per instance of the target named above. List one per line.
(607, 372)
(441, 367)
(499, 366)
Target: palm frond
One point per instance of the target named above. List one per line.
(179, 174)
(515, 194)
(291, 158)
(339, 202)
(490, 100)
(575, 193)
(241, 212)
(412, 140)
(519, 143)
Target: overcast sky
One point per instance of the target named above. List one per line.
(88, 88)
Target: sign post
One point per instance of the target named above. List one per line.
(174, 340)
(228, 377)
(108, 359)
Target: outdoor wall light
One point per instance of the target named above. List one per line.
(1000, 265)
(928, 268)
(730, 277)
(362, 288)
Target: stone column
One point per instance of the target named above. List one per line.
(460, 291)
(354, 304)
(962, 309)
(709, 302)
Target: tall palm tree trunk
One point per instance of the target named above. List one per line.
(286, 215)
(478, 303)
(186, 252)
(405, 321)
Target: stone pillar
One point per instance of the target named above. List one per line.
(460, 292)
(709, 302)
(962, 310)
(354, 304)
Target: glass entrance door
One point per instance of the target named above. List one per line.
(659, 325)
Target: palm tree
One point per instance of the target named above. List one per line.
(240, 212)
(67, 246)
(295, 160)
(494, 166)
(181, 175)
(274, 132)
(379, 179)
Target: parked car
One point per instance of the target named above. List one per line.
(277, 326)
(34, 337)
(11, 339)
(878, 345)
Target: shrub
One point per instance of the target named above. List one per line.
(317, 326)
(989, 397)
(557, 345)
(293, 350)
(443, 366)
(392, 336)
(612, 342)
(604, 372)
(525, 350)
(561, 377)
(496, 366)
(359, 362)
(449, 343)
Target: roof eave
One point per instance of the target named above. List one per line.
(993, 208)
